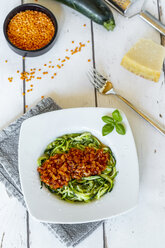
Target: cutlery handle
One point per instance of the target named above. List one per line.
(145, 15)
(155, 125)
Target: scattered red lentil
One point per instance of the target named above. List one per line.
(42, 97)
(67, 50)
(31, 85)
(6, 61)
(72, 41)
(45, 72)
(29, 76)
(77, 49)
(52, 77)
(59, 169)
(84, 25)
(23, 93)
(50, 62)
(24, 75)
(26, 106)
(28, 90)
(30, 30)
(82, 45)
(10, 79)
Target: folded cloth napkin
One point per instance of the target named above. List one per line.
(68, 234)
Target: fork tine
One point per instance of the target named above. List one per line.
(99, 80)
(95, 80)
(95, 85)
(101, 76)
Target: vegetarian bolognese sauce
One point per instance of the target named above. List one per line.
(59, 169)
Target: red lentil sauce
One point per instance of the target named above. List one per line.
(59, 169)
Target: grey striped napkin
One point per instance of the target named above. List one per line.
(70, 235)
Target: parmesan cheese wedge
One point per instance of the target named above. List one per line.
(145, 59)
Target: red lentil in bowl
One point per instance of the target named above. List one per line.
(30, 29)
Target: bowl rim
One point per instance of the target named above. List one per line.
(5, 25)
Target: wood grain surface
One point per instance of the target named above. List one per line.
(71, 88)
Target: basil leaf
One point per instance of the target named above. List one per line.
(117, 116)
(120, 128)
(108, 119)
(108, 128)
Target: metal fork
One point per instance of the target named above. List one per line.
(105, 87)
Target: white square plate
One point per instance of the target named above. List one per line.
(37, 132)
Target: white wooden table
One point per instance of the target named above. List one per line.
(145, 225)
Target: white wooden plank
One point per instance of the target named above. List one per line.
(12, 214)
(13, 222)
(136, 228)
(162, 10)
(94, 240)
(117, 43)
(41, 237)
(70, 88)
(11, 104)
(161, 6)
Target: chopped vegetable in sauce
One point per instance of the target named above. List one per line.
(77, 167)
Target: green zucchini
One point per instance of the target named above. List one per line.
(87, 188)
(96, 10)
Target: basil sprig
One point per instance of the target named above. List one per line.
(111, 122)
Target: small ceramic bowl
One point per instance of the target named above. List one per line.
(35, 7)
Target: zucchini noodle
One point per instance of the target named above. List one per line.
(87, 188)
